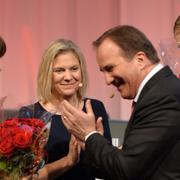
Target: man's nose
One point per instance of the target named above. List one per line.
(108, 78)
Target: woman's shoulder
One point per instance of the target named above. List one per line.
(31, 106)
(30, 110)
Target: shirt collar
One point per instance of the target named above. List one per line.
(157, 68)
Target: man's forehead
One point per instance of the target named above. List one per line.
(107, 44)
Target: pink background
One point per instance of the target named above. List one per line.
(28, 26)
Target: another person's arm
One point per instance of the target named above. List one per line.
(154, 126)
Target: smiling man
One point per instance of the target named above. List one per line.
(151, 144)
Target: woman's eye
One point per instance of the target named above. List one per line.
(74, 68)
(59, 70)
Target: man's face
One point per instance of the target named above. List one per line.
(118, 71)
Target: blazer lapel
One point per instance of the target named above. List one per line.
(164, 72)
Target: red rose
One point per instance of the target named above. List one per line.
(11, 122)
(37, 123)
(23, 137)
(40, 123)
(24, 120)
(4, 132)
(19, 136)
(6, 146)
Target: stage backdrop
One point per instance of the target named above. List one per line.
(28, 26)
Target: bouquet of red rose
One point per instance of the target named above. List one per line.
(22, 142)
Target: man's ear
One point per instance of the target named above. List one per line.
(141, 59)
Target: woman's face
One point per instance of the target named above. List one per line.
(66, 75)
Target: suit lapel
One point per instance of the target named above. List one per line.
(164, 72)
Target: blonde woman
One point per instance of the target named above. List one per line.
(63, 76)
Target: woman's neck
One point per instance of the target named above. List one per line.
(54, 105)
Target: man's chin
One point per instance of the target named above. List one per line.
(126, 96)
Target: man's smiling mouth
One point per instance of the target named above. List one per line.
(118, 82)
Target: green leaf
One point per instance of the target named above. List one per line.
(3, 165)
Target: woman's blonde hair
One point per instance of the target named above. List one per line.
(44, 78)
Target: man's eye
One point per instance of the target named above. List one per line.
(109, 68)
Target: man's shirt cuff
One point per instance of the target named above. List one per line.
(88, 135)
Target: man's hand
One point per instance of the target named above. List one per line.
(78, 122)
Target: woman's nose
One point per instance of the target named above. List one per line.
(67, 75)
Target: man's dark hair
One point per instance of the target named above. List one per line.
(130, 40)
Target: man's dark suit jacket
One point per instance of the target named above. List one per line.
(151, 148)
